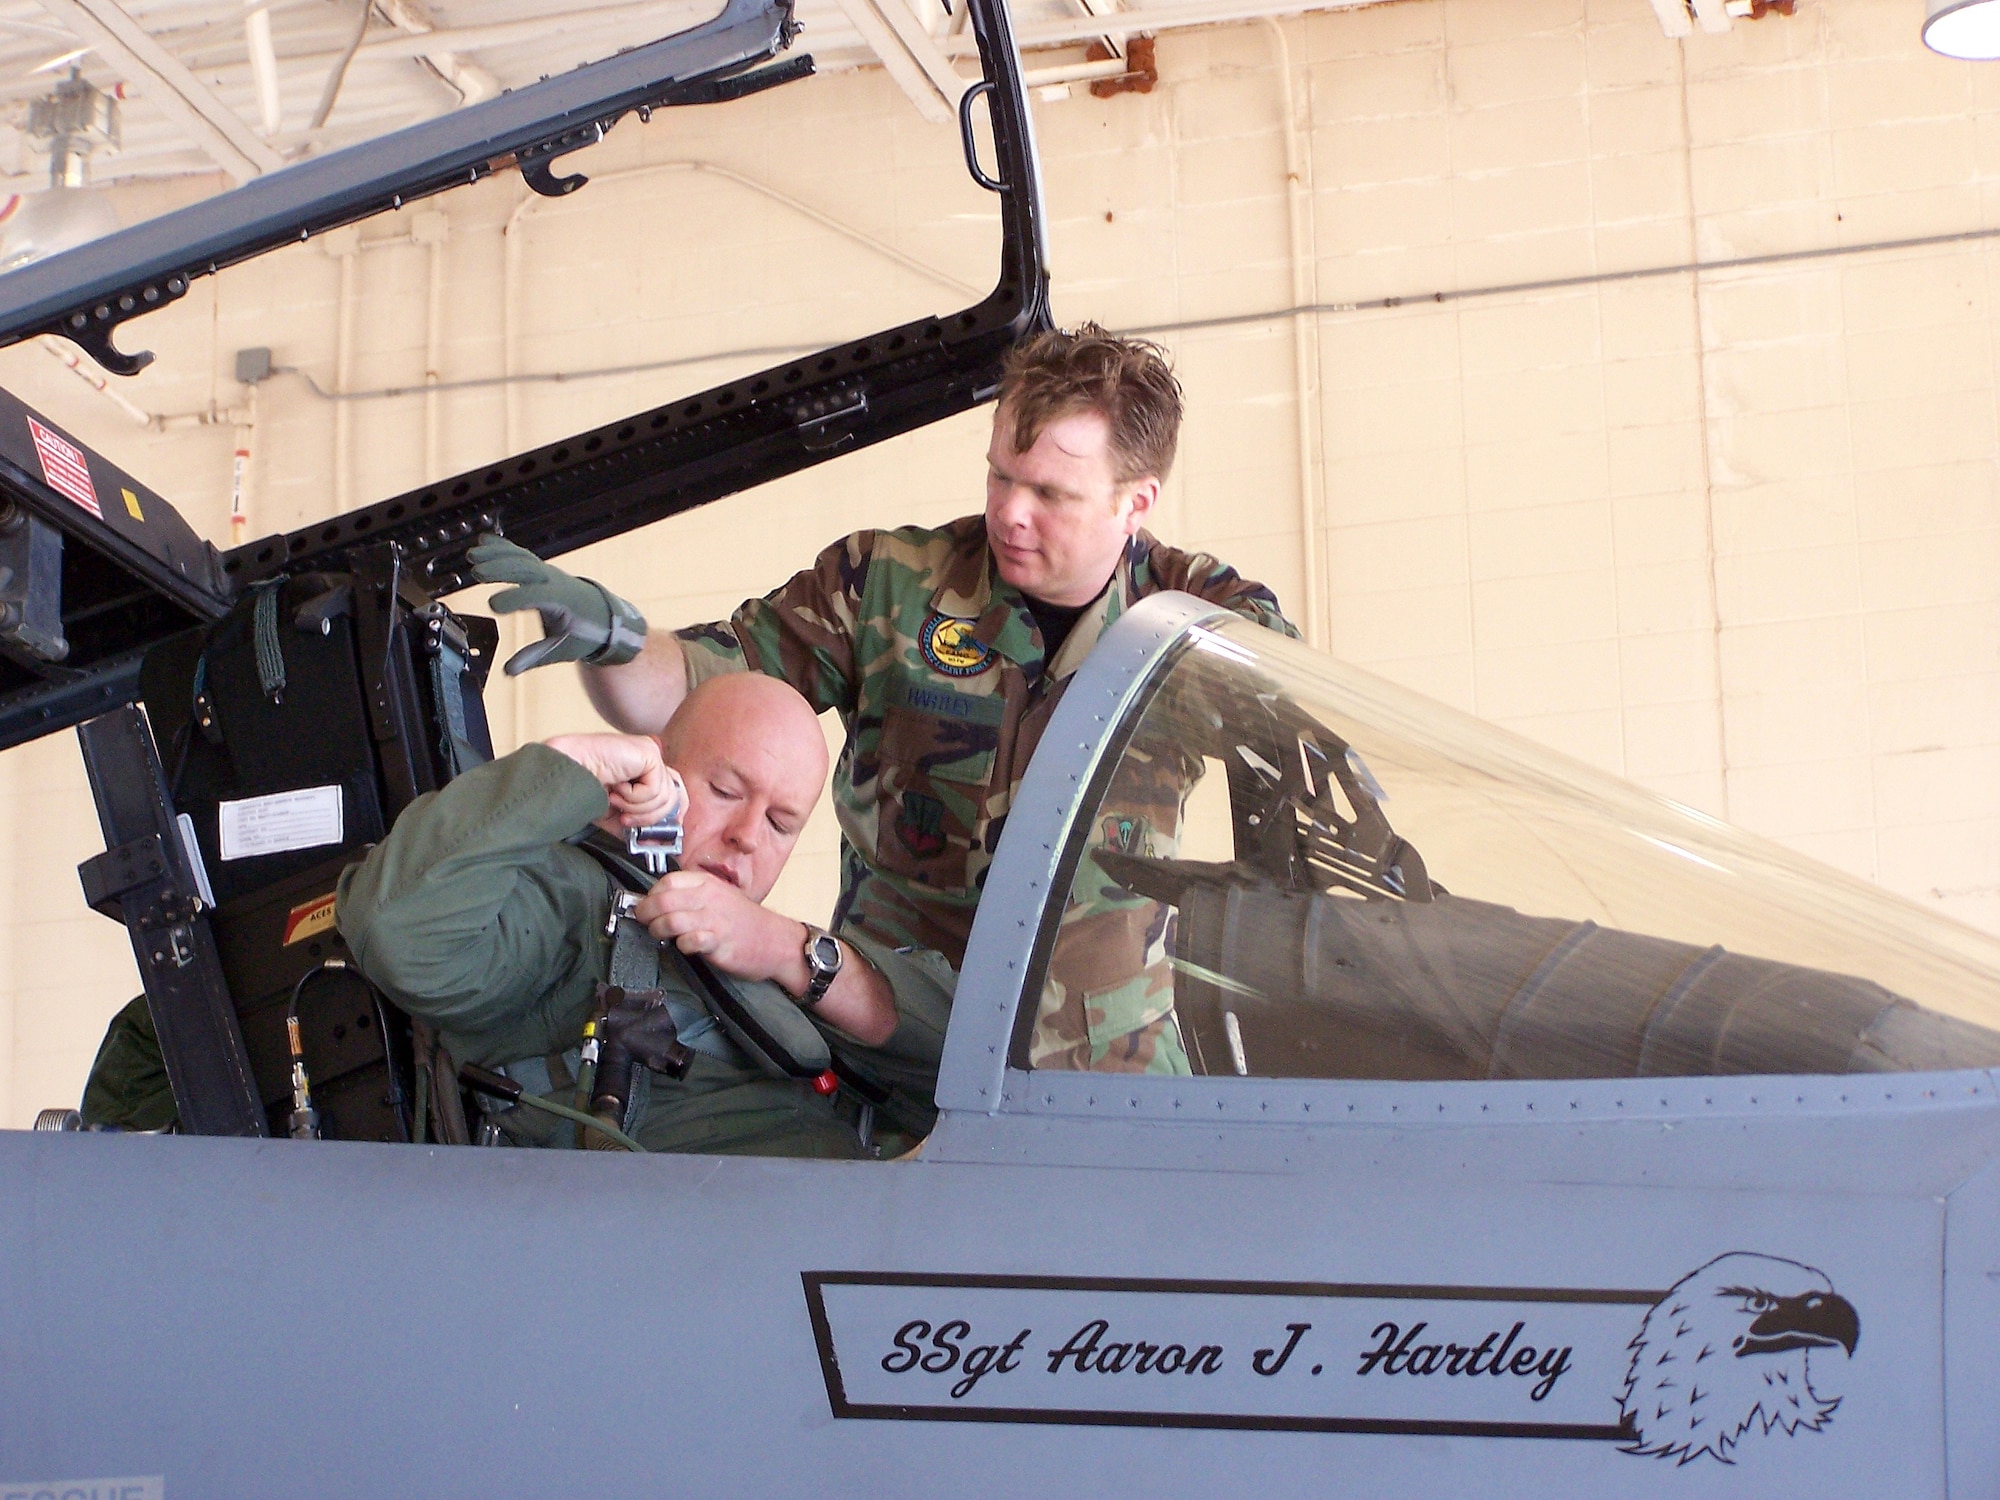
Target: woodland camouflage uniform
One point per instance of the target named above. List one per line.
(936, 668)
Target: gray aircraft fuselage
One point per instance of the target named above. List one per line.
(1084, 1283)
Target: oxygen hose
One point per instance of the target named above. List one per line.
(500, 1086)
(588, 1122)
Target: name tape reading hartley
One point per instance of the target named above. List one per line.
(1495, 1361)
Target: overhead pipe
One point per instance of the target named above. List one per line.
(263, 66)
(211, 416)
(1305, 346)
(344, 245)
(67, 355)
(1083, 72)
(239, 474)
(337, 74)
(433, 346)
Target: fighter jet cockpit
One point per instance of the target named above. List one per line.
(1284, 867)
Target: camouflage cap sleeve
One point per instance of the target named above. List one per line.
(1214, 580)
(710, 651)
(801, 632)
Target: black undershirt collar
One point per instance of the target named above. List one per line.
(1055, 621)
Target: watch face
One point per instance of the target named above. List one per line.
(825, 954)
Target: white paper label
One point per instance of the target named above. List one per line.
(280, 822)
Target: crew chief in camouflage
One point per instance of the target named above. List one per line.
(945, 652)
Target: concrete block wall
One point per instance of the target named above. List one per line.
(1731, 532)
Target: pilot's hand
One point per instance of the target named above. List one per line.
(700, 913)
(581, 620)
(642, 787)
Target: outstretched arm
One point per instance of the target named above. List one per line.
(640, 695)
(635, 678)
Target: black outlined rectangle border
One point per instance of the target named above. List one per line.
(815, 1282)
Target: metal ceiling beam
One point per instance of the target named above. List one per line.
(1673, 16)
(263, 68)
(1115, 45)
(1713, 15)
(923, 50)
(909, 55)
(662, 20)
(123, 42)
(472, 82)
(1125, 23)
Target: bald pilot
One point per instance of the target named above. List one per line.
(480, 915)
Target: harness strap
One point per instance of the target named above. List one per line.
(757, 1035)
(264, 631)
(448, 668)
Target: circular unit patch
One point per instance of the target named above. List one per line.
(948, 647)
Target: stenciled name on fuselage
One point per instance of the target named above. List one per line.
(1476, 1361)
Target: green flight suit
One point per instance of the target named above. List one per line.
(128, 1084)
(475, 915)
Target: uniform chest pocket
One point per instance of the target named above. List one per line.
(935, 775)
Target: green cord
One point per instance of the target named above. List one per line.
(591, 1121)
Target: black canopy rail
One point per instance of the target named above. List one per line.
(133, 574)
(86, 293)
(643, 468)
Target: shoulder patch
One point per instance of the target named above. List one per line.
(947, 645)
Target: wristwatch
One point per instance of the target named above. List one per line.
(823, 963)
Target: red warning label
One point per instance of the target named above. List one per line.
(64, 467)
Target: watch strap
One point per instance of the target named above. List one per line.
(821, 975)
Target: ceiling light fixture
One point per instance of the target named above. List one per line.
(1968, 29)
(62, 60)
(74, 121)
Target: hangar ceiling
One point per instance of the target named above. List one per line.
(211, 85)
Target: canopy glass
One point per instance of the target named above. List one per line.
(1289, 868)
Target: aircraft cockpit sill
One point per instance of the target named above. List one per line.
(1927, 1133)
(1282, 1102)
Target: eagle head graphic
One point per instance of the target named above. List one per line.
(1728, 1349)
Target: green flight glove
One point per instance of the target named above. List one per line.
(581, 620)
